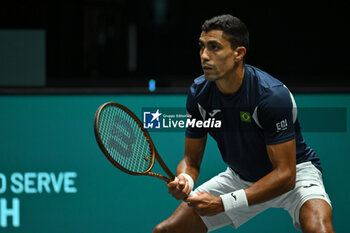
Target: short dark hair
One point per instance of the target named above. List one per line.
(233, 28)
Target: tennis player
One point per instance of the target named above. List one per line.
(269, 163)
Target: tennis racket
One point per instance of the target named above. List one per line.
(125, 143)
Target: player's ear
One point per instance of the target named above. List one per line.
(239, 52)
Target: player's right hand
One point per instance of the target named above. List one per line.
(179, 188)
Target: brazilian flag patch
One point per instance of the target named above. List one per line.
(245, 117)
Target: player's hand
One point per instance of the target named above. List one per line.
(179, 188)
(205, 204)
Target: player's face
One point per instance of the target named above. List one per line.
(217, 56)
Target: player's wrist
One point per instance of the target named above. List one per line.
(234, 200)
(188, 178)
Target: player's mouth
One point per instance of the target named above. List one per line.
(206, 67)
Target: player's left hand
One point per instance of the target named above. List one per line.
(205, 204)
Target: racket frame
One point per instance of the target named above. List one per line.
(153, 151)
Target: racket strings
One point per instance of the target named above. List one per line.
(124, 140)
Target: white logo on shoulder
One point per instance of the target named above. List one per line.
(283, 125)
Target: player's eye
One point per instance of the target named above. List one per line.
(214, 47)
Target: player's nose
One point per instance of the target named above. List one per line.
(204, 55)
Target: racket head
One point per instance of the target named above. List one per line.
(123, 140)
